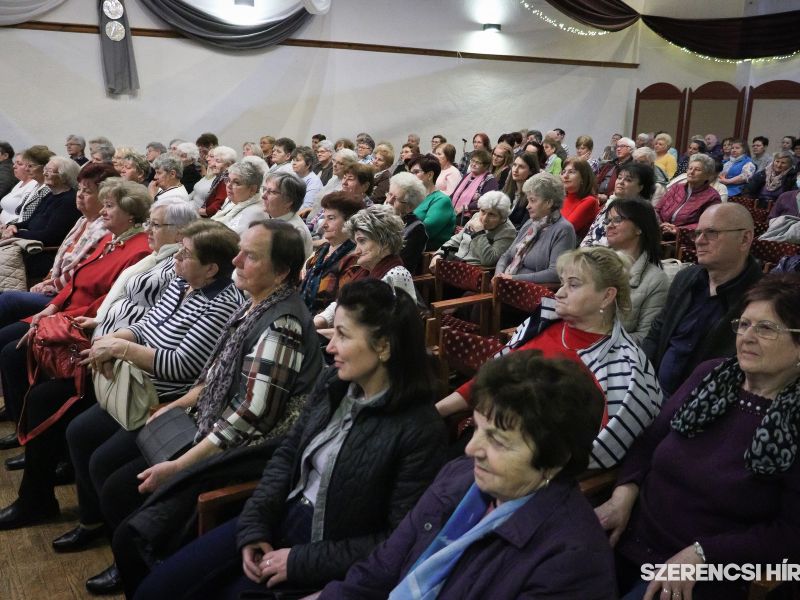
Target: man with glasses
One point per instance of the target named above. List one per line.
(76, 145)
(607, 175)
(694, 325)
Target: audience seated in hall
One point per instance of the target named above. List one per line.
(615, 317)
(694, 325)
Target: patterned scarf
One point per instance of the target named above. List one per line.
(774, 446)
(226, 355)
(524, 246)
(310, 286)
(774, 180)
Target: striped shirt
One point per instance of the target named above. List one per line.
(627, 378)
(141, 293)
(268, 374)
(184, 330)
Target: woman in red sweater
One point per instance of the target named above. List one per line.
(580, 205)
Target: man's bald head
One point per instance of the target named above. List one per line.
(731, 226)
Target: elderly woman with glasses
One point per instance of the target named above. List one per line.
(715, 479)
(546, 236)
(682, 205)
(243, 205)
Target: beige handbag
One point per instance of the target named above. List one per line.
(128, 396)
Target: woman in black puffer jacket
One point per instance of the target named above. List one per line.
(366, 447)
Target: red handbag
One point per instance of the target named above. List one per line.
(54, 350)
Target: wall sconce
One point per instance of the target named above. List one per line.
(492, 27)
(244, 2)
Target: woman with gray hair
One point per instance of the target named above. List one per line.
(324, 163)
(682, 205)
(378, 234)
(210, 193)
(773, 180)
(486, 236)
(56, 214)
(406, 192)
(546, 236)
(243, 205)
(168, 170)
(283, 197)
(188, 153)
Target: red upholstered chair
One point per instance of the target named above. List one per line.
(522, 296)
(769, 253)
(471, 279)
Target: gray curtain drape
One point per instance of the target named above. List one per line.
(119, 64)
(205, 28)
(13, 12)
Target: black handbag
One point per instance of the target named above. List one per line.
(167, 436)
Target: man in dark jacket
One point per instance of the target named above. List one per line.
(694, 324)
(7, 178)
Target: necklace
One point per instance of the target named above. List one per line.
(564, 337)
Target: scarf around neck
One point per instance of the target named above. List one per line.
(774, 446)
(226, 355)
(531, 236)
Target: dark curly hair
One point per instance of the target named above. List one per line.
(555, 403)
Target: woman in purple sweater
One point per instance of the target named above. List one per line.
(716, 478)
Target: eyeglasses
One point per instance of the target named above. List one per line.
(766, 330)
(711, 235)
(150, 224)
(614, 221)
(184, 254)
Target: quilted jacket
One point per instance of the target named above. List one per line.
(384, 465)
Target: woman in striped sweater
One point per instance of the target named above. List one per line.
(581, 324)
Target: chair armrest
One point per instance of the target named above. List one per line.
(443, 305)
(209, 504)
(597, 483)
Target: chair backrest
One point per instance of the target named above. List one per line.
(769, 253)
(522, 295)
(461, 275)
(464, 352)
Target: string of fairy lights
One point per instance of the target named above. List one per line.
(533, 9)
